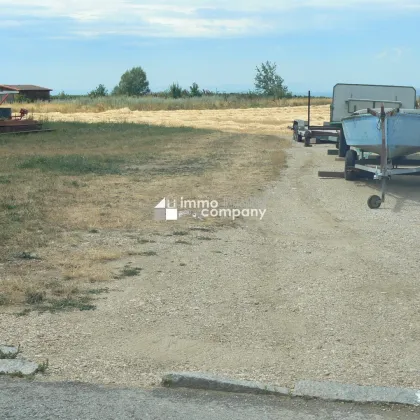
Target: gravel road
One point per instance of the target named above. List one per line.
(321, 288)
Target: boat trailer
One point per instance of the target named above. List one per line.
(303, 131)
(380, 168)
(385, 168)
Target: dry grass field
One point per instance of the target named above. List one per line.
(59, 189)
(99, 171)
(148, 103)
(272, 121)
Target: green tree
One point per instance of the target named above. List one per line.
(195, 90)
(101, 90)
(268, 82)
(133, 83)
(62, 95)
(175, 91)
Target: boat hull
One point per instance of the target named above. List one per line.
(402, 132)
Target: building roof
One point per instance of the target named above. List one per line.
(23, 87)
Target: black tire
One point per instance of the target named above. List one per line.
(349, 163)
(296, 136)
(374, 202)
(295, 132)
(342, 145)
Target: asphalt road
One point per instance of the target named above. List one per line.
(32, 400)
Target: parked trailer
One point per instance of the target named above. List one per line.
(348, 99)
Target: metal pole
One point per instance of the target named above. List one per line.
(384, 154)
(309, 109)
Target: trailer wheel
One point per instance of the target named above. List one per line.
(295, 132)
(296, 136)
(374, 202)
(350, 162)
(342, 145)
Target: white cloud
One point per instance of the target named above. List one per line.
(189, 18)
(391, 54)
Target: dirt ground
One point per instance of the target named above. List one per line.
(252, 120)
(321, 288)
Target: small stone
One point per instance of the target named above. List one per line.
(13, 366)
(8, 352)
(27, 255)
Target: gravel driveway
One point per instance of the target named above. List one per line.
(321, 288)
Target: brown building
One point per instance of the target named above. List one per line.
(33, 93)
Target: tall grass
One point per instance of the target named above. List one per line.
(150, 103)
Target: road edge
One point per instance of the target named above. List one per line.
(324, 390)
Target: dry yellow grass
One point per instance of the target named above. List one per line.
(79, 223)
(258, 121)
(93, 105)
(44, 211)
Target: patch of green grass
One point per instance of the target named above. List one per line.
(73, 164)
(193, 166)
(16, 375)
(148, 253)
(24, 312)
(5, 180)
(97, 291)
(146, 241)
(78, 302)
(180, 233)
(205, 238)
(130, 271)
(33, 297)
(8, 206)
(3, 299)
(42, 367)
(68, 303)
(201, 229)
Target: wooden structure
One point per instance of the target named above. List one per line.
(31, 92)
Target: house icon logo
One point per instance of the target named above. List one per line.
(166, 211)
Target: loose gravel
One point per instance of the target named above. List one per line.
(321, 288)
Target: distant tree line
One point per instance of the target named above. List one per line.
(134, 82)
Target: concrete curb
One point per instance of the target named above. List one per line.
(17, 366)
(335, 391)
(217, 383)
(325, 390)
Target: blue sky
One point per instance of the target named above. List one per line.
(74, 45)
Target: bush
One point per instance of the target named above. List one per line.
(100, 91)
(195, 90)
(175, 91)
(22, 99)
